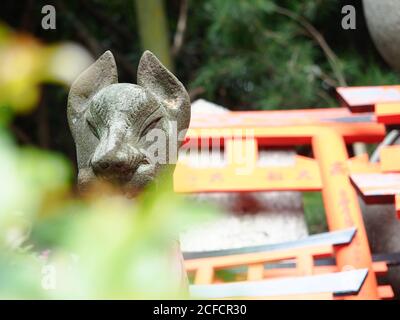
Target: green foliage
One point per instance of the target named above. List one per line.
(314, 212)
(29, 177)
(262, 54)
(366, 72)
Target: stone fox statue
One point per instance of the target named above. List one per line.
(110, 121)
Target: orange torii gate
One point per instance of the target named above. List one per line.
(382, 186)
(326, 130)
(292, 273)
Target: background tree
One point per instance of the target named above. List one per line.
(153, 29)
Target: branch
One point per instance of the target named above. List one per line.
(196, 92)
(82, 32)
(180, 29)
(107, 21)
(93, 44)
(331, 56)
(125, 64)
(20, 134)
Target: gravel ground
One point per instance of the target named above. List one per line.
(251, 218)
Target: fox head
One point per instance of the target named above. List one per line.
(111, 122)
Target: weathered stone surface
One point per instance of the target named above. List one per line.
(109, 121)
(383, 229)
(383, 20)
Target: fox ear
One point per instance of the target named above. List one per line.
(156, 78)
(100, 74)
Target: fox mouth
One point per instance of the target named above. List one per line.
(117, 181)
(129, 184)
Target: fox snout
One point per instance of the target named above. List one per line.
(117, 166)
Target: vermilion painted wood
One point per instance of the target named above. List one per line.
(361, 164)
(379, 268)
(380, 183)
(315, 296)
(388, 113)
(390, 158)
(363, 99)
(257, 257)
(386, 292)
(274, 118)
(204, 268)
(255, 272)
(342, 208)
(339, 283)
(377, 187)
(287, 136)
(397, 205)
(282, 128)
(303, 176)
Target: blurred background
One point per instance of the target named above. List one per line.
(243, 55)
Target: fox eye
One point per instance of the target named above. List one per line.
(150, 126)
(92, 128)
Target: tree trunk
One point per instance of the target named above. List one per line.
(153, 29)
